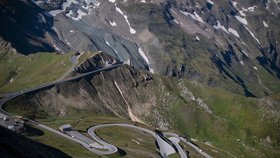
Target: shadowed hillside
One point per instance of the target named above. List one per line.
(13, 145)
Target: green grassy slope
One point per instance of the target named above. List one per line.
(31, 70)
(19, 72)
(238, 124)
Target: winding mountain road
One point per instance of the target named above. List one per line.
(10, 96)
(175, 139)
(187, 142)
(164, 147)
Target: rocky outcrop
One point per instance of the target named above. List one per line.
(98, 61)
(119, 92)
(271, 59)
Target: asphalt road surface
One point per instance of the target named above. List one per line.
(200, 151)
(164, 148)
(176, 141)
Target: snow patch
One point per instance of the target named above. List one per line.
(194, 16)
(54, 12)
(234, 32)
(67, 42)
(211, 2)
(66, 6)
(107, 43)
(253, 35)
(245, 53)
(132, 31)
(177, 22)
(38, 2)
(113, 23)
(198, 18)
(249, 9)
(242, 13)
(234, 4)
(146, 59)
(80, 15)
(128, 62)
(242, 20)
(219, 26)
(115, 51)
(265, 24)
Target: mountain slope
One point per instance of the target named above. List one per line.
(222, 57)
(27, 28)
(226, 120)
(228, 44)
(19, 72)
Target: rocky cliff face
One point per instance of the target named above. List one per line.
(27, 28)
(123, 92)
(227, 44)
